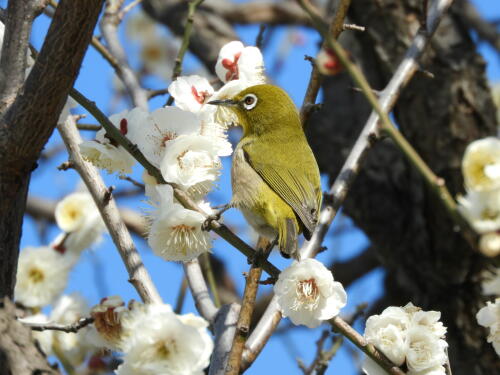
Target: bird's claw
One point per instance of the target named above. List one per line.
(208, 221)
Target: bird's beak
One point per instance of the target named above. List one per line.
(226, 103)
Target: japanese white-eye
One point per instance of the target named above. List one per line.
(275, 177)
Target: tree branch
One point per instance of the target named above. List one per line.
(30, 120)
(225, 329)
(199, 290)
(139, 276)
(109, 28)
(68, 328)
(20, 16)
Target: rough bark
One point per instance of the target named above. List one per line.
(19, 354)
(28, 123)
(427, 262)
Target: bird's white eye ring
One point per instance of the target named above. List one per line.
(249, 101)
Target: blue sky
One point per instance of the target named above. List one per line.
(101, 271)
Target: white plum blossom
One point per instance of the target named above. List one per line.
(175, 233)
(481, 209)
(105, 153)
(42, 275)
(140, 26)
(408, 335)
(74, 210)
(68, 309)
(161, 126)
(425, 350)
(191, 160)
(327, 62)
(481, 164)
(489, 244)
(108, 330)
(191, 92)
(161, 342)
(436, 370)
(387, 332)
(237, 62)
(491, 282)
(307, 293)
(489, 317)
(154, 55)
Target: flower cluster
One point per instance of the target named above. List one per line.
(489, 317)
(42, 273)
(185, 143)
(307, 293)
(153, 339)
(408, 335)
(481, 205)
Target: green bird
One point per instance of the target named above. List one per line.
(275, 177)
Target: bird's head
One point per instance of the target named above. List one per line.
(262, 108)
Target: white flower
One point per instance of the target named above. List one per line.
(190, 160)
(68, 309)
(108, 330)
(45, 337)
(42, 275)
(175, 233)
(489, 244)
(425, 350)
(489, 317)
(161, 126)
(481, 209)
(216, 130)
(154, 56)
(481, 164)
(237, 62)
(388, 334)
(327, 62)
(73, 211)
(307, 293)
(140, 26)
(426, 319)
(191, 92)
(491, 282)
(161, 342)
(104, 153)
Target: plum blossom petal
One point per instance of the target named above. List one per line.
(191, 92)
(481, 164)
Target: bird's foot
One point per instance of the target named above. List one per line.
(218, 211)
(262, 253)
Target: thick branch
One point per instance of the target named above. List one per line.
(30, 120)
(20, 16)
(199, 290)
(139, 276)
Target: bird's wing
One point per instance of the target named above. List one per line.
(299, 187)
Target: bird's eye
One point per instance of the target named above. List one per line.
(249, 101)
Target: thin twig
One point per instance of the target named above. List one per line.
(247, 307)
(138, 275)
(74, 327)
(207, 269)
(92, 127)
(347, 331)
(181, 296)
(136, 183)
(179, 194)
(315, 80)
(127, 9)
(353, 27)
(199, 290)
(192, 5)
(109, 28)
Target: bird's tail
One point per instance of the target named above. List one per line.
(287, 238)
